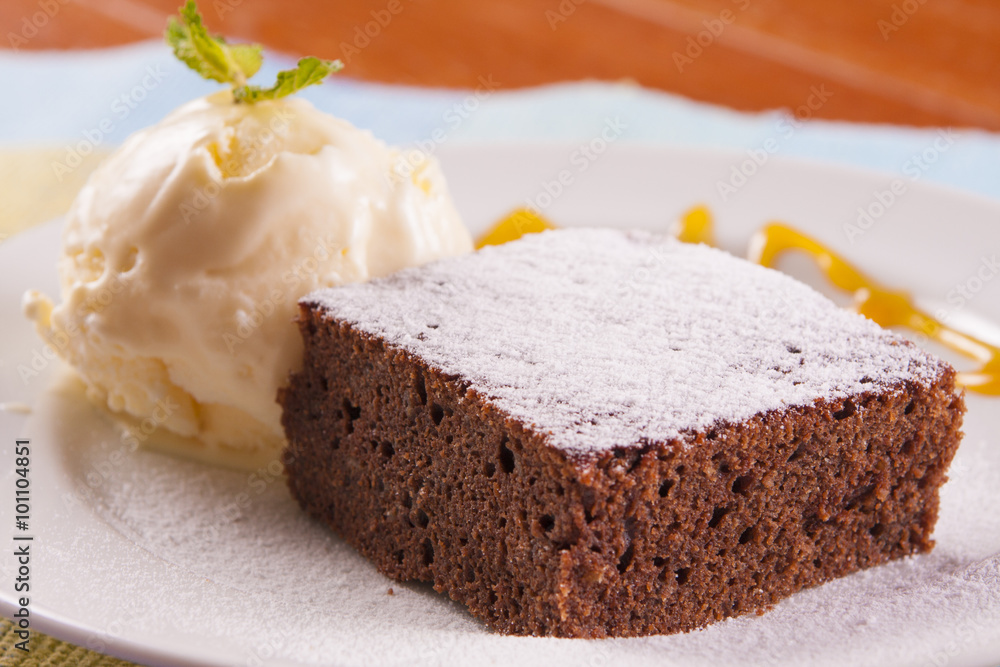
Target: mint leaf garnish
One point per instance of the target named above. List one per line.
(214, 59)
(308, 72)
(209, 55)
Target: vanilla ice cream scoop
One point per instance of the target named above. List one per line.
(187, 250)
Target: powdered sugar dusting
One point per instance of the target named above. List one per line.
(605, 338)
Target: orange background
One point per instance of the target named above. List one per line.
(917, 62)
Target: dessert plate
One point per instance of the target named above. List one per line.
(169, 562)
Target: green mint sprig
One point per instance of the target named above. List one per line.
(211, 57)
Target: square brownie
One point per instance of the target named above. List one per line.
(593, 433)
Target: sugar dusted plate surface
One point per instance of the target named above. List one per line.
(170, 562)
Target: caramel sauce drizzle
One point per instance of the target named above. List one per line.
(887, 307)
(513, 226)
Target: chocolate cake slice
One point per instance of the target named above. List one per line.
(591, 433)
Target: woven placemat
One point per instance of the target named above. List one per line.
(45, 651)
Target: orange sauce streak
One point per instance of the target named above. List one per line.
(513, 226)
(885, 306)
(695, 226)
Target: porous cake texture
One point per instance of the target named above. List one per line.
(591, 433)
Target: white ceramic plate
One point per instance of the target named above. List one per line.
(169, 562)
